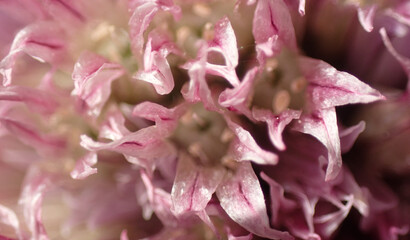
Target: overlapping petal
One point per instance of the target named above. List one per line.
(241, 197)
(92, 77)
(323, 126)
(43, 41)
(193, 186)
(245, 148)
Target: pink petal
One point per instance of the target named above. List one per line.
(139, 22)
(276, 124)
(193, 186)
(278, 200)
(68, 12)
(156, 70)
(124, 235)
(244, 147)
(272, 21)
(323, 126)
(114, 128)
(37, 100)
(143, 12)
(400, 13)
(225, 43)
(328, 223)
(83, 167)
(35, 186)
(329, 87)
(197, 89)
(404, 62)
(143, 147)
(92, 80)
(31, 137)
(241, 196)
(160, 201)
(236, 99)
(301, 7)
(8, 217)
(156, 112)
(43, 41)
(349, 135)
(366, 16)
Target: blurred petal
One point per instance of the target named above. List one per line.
(366, 16)
(404, 62)
(236, 99)
(349, 135)
(83, 167)
(38, 100)
(8, 217)
(43, 41)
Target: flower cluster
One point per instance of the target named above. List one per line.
(204, 119)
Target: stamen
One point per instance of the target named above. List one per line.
(182, 35)
(228, 162)
(102, 31)
(208, 32)
(202, 10)
(227, 135)
(196, 150)
(298, 85)
(281, 101)
(271, 64)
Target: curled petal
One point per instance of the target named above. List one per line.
(8, 217)
(114, 128)
(329, 87)
(272, 21)
(143, 12)
(349, 135)
(278, 200)
(328, 223)
(404, 62)
(43, 41)
(236, 99)
(244, 147)
(135, 144)
(92, 81)
(366, 16)
(143, 147)
(197, 88)
(160, 201)
(83, 167)
(301, 7)
(156, 70)
(323, 126)
(193, 186)
(225, 43)
(35, 186)
(241, 197)
(156, 112)
(276, 124)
